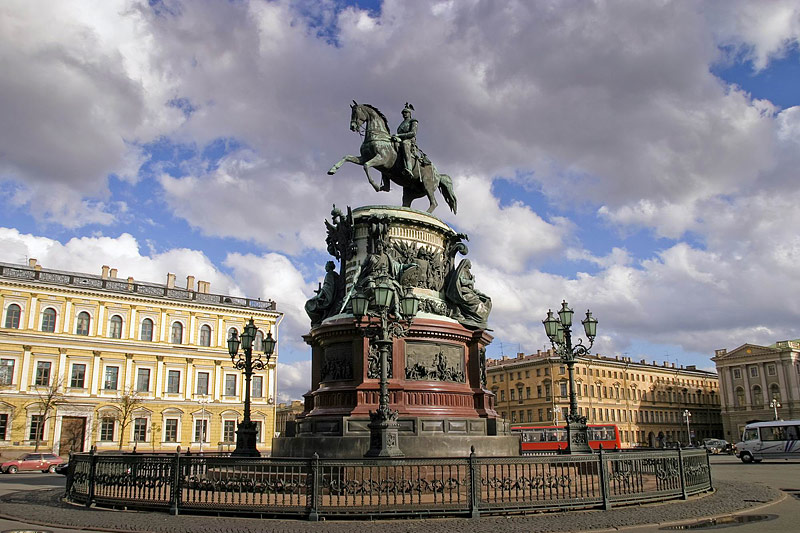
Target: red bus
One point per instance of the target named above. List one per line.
(554, 438)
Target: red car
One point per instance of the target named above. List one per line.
(43, 462)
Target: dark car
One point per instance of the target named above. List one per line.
(63, 469)
(43, 462)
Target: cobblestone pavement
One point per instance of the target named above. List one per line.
(45, 508)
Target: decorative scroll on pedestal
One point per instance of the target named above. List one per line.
(434, 362)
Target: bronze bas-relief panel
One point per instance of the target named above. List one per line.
(338, 362)
(429, 361)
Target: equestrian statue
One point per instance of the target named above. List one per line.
(397, 157)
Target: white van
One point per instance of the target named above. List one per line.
(761, 440)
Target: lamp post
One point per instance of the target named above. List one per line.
(559, 331)
(774, 403)
(383, 424)
(203, 401)
(686, 416)
(248, 363)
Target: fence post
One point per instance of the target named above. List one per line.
(474, 485)
(708, 469)
(604, 479)
(70, 475)
(313, 514)
(176, 483)
(92, 472)
(683, 477)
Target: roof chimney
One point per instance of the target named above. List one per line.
(105, 271)
(190, 283)
(203, 287)
(32, 262)
(113, 273)
(170, 280)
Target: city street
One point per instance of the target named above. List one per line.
(780, 475)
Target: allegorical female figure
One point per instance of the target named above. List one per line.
(471, 305)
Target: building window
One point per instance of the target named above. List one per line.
(171, 430)
(257, 389)
(561, 370)
(228, 430)
(3, 426)
(230, 384)
(758, 396)
(771, 370)
(205, 335)
(258, 341)
(111, 378)
(503, 395)
(146, 332)
(258, 430)
(115, 327)
(177, 333)
(143, 380)
(107, 429)
(547, 391)
(753, 371)
(173, 381)
(231, 331)
(139, 430)
(512, 395)
(6, 371)
(202, 384)
(37, 428)
(775, 392)
(78, 378)
(83, 323)
(563, 389)
(42, 373)
(737, 373)
(527, 392)
(538, 391)
(201, 431)
(13, 312)
(49, 320)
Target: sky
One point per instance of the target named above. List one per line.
(636, 158)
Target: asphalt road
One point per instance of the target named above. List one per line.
(781, 475)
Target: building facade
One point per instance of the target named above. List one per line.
(120, 364)
(287, 412)
(647, 402)
(752, 377)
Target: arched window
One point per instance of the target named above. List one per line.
(758, 396)
(177, 333)
(115, 327)
(49, 320)
(258, 342)
(231, 331)
(739, 397)
(775, 392)
(83, 323)
(12, 316)
(205, 335)
(146, 333)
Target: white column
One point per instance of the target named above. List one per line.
(132, 329)
(24, 379)
(217, 379)
(32, 313)
(96, 369)
(163, 328)
(187, 390)
(159, 371)
(220, 332)
(66, 320)
(127, 379)
(62, 368)
(192, 327)
(786, 393)
(99, 326)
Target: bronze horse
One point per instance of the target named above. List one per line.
(380, 152)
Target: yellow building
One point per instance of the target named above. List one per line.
(99, 360)
(647, 402)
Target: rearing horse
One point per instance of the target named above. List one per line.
(380, 152)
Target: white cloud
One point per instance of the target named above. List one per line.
(294, 380)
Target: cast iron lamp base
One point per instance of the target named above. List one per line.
(246, 435)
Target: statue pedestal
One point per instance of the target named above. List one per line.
(436, 370)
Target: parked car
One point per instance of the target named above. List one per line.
(43, 462)
(716, 446)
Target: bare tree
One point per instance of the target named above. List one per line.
(127, 402)
(47, 401)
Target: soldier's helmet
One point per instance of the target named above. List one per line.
(408, 108)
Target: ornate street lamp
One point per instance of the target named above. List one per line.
(248, 363)
(774, 403)
(559, 331)
(687, 415)
(383, 424)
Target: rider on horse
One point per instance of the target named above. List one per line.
(407, 138)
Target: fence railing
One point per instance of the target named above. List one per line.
(313, 488)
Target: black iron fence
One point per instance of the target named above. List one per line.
(312, 488)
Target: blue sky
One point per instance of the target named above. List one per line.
(636, 159)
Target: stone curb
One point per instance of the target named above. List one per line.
(45, 508)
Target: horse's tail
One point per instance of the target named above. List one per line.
(446, 188)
